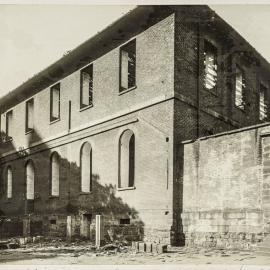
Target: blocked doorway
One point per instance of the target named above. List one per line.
(85, 226)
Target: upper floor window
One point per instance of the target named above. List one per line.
(9, 116)
(55, 102)
(126, 159)
(263, 102)
(128, 66)
(29, 116)
(240, 87)
(86, 167)
(86, 88)
(55, 173)
(210, 65)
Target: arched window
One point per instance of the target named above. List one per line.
(55, 172)
(30, 178)
(86, 167)
(9, 182)
(126, 159)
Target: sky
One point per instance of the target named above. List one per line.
(35, 36)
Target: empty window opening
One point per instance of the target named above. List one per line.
(29, 116)
(86, 167)
(127, 159)
(263, 102)
(9, 117)
(210, 65)
(30, 177)
(55, 171)
(240, 87)
(55, 102)
(124, 221)
(53, 221)
(86, 86)
(128, 66)
(9, 183)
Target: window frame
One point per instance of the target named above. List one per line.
(90, 104)
(52, 118)
(244, 87)
(51, 174)
(27, 129)
(121, 48)
(266, 104)
(8, 123)
(208, 43)
(9, 168)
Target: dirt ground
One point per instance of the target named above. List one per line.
(83, 253)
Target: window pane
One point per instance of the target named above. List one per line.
(210, 65)
(55, 102)
(29, 115)
(239, 88)
(9, 183)
(87, 86)
(55, 175)
(263, 104)
(29, 181)
(128, 66)
(86, 168)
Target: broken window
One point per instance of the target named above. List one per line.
(128, 66)
(240, 87)
(124, 221)
(86, 86)
(9, 182)
(127, 159)
(86, 167)
(30, 177)
(9, 117)
(55, 171)
(210, 65)
(263, 102)
(55, 102)
(29, 117)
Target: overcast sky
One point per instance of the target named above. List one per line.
(35, 36)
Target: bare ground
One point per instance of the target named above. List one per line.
(83, 253)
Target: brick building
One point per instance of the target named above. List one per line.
(100, 131)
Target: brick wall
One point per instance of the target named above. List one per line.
(225, 189)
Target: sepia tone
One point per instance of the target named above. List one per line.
(153, 132)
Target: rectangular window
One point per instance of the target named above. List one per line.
(55, 102)
(86, 87)
(124, 221)
(128, 66)
(263, 102)
(8, 125)
(210, 65)
(240, 87)
(29, 116)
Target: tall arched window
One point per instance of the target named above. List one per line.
(126, 159)
(86, 167)
(9, 182)
(55, 173)
(30, 178)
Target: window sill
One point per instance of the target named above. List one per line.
(127, 90)
(29, 131)
(86, 107)
(126, 188)
(213, 91)
(242, 109)
(85, 193)
(54, 121)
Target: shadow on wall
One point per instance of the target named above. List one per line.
(121, 221)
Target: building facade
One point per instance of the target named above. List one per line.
(100, 131)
